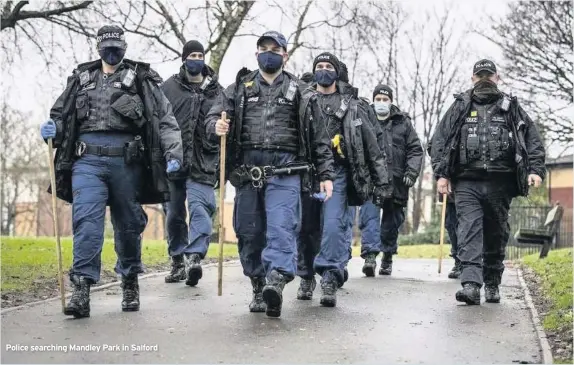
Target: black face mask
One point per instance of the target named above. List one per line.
(112, 55)
(485, 92)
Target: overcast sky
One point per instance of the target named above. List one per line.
(32, 89)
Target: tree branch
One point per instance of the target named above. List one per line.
(16, 15)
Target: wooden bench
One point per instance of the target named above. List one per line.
(544, 235)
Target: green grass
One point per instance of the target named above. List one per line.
(555, 273)
(26, 260)
(30, 261)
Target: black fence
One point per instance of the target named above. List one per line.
(534, 217)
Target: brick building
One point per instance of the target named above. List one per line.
(560, 180)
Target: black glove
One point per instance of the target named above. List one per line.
(408, 181)
(382, 193)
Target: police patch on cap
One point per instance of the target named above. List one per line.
(111, 36)
(384, 90)
(484, 65)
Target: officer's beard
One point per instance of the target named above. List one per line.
(485, 92)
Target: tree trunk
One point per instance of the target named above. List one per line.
(227, 33)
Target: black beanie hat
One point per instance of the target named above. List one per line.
(190, 47)
(384, 90)
(328, 57)
(344, 76)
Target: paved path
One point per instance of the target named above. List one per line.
(411, 317)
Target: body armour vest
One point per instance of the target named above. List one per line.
(334, 109)
(109, 102)
(487, 142)
(270, 116)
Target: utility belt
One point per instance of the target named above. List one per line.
(132, 151)
(258, 175)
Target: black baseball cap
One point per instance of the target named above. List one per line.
(484, 65)
(111, 36)
(275, 36)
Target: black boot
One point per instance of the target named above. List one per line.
(469, 294)
(491, 293)
(370, 265)
(456, 270)
(177, 272)
(306, 288)
(386, 264)
(345, 277)
(257, 305)
(273, 293)
(329, 287)
(131, 293)
(193, 269)
(79, 305)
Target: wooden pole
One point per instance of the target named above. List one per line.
(442, 228)
(55, 219)
(221, 206)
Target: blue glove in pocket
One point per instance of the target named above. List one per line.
(173, 166)
(319, 196)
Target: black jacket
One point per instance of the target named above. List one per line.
(530, 152)
(404, 152)
(190, 106)
(367, 161)
(160, 133)
(312, 145)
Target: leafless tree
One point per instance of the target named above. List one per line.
(536, 40)
(378, 31)
(14, 13)
(164, 26)
(433, 76)
(21, 25)
(21, 159)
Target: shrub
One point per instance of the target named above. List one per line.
(431, 235)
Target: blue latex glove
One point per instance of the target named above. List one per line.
(173, 166)
(48, 129)
(319, 196)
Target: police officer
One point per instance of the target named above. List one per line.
(359, 162)
(267, 134)
(192, 92)
(312, 221)
(404, 157)
(487, 150)
(309, 241)
(106, 126)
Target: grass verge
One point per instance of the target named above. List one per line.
(30, 265)
(550, 280)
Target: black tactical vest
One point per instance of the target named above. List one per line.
(109, 102)
(270, 116)
(487, 142)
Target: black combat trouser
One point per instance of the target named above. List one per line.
(483, 229)
(309, 242)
